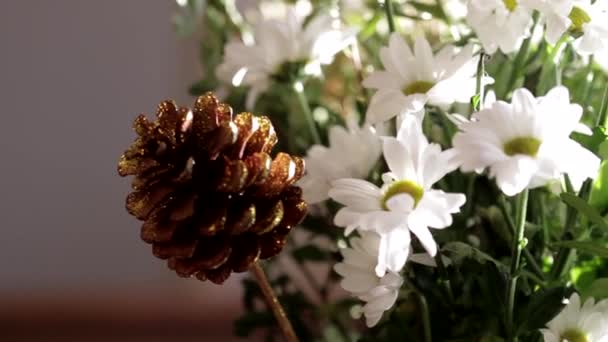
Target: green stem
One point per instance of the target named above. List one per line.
(602, 117)
(520, 60)
(589, 81)
(564, 254)
(444, 277)
(479, 88)
(426, 317)
(424, 308)
(529, 257)
(388, 8)
(518, 246)
(550, 65)
(468, 206)
(305, 108)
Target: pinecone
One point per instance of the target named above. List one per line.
(212, 199)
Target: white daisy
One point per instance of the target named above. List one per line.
(581, 18)
(588, 323)
(359, 278)
(406, 202)
(412, 79)
(525, 143)
(351, 153)
(456, 9)
(500, 24)
(280, 47)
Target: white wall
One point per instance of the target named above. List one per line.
(73, 75)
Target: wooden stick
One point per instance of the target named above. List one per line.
(273, 303)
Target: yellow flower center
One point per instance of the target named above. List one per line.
(574, 335)
(579, 17)
(418, 87)
(511, 5)
(403, 187)
(522, 145)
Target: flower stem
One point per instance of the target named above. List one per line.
(602, 116)
(426, 317)
(273, 303)
(305, 108)
(520, 60)
(388, 7)
(538, 272)
(564, 254)
(550, 65)
(479, 87)
(518, 246)
(445, 277)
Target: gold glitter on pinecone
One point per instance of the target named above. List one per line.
(212, 199)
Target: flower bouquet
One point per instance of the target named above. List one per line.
(443, 174)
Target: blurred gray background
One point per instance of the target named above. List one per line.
(73, 75)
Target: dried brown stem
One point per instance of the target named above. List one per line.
(273, 303)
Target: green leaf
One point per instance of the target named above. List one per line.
(603, 150)
(585, 247)
(598, 198)
(459, 251)
(202, 86)
(585, 209)
(309, 253)
(598, 290)
(475, 100)
(541, 308)
(592, 142)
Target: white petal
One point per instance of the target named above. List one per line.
(386, 104)
(579, 163)
(356, 193)
(372, 318)
(381, 80)
(424, 58)
(417, 225)
(347, 218)
(523, 101)
(398, 158)
(357, 283)
(513, 175)
(382, 303)
(437, 207)
(401, 203)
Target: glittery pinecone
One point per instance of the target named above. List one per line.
(212, 199)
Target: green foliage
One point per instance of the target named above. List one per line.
(542, 306)
(585, 209)
(597, 290)
(590, 247)
(309, 253)
(598, 198)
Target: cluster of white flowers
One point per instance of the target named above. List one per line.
(522, 144)
(276, 44)
(353, 153)
(504, 24)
